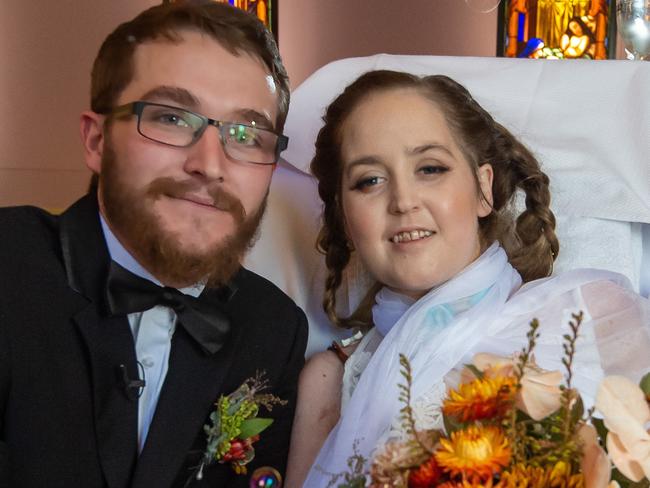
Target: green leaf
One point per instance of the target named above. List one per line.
(475, 371)
(602, 431)
(451, 424)
(252, 427)
(356, 482)
(626, 483)
(578, 410)
(645, 384)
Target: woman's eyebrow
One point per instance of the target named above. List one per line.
(362, 161)
(429, 147)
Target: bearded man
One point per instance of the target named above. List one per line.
(124, 320)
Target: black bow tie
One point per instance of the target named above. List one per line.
(202, 319)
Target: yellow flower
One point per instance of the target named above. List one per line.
(484, 398)
(540, 393)
(475, 453)
(467, 484)
(557, 476)
(625, 411)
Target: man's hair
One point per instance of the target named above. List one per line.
(237, 31)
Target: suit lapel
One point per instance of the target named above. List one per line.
(109, 343)
(193, 384)
(108, 340)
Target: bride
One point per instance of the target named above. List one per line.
(419, 182)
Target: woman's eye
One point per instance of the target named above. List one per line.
(433, 169)
(366, 183)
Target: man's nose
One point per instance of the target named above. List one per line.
(207, 156)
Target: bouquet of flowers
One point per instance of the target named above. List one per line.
(510, 424)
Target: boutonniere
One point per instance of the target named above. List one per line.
(234, 425)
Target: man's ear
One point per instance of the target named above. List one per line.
(91, 129)
(485, 175)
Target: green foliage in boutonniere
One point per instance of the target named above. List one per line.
(234, 425)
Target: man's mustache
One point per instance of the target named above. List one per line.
(221, 199)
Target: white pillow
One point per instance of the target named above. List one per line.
(644, 286)
(286, 250)
(587, 122)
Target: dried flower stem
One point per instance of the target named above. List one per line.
(532, 335)
(407, 411)
(518, 453)
(568, 394)
(570, 345)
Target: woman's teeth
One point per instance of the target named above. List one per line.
(412, 235)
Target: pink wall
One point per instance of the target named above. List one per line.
(315, 32)
(46, 52)
(47, 48)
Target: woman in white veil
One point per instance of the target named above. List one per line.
(419, 181)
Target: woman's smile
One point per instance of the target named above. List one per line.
(410, 198)
(411, 235)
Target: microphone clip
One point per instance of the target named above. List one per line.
(133, 388)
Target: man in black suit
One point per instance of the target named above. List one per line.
(123, 320)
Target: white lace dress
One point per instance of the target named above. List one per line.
(426, 409)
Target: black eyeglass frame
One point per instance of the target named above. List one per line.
(136, 108)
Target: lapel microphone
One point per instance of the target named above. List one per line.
(133, 388)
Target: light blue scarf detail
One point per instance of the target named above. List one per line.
(390, 306)
(441, 315)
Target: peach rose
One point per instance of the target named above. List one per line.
(625, 412)
(595, 464)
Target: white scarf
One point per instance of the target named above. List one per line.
(497, 322)
(389, 307)
(431, 350)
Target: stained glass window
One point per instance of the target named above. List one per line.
(265, 10)
(556, 29)
(261, 8)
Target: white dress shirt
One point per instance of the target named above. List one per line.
(152, 332)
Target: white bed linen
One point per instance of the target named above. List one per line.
(588, 122)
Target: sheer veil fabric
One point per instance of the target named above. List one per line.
(614, 339)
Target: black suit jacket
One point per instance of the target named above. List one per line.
(65, 418)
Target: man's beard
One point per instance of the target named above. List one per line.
(129, 212)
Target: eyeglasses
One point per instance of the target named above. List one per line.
(178, 127)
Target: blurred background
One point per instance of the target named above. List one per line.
(47, 49)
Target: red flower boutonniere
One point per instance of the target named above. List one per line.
(234, 426)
